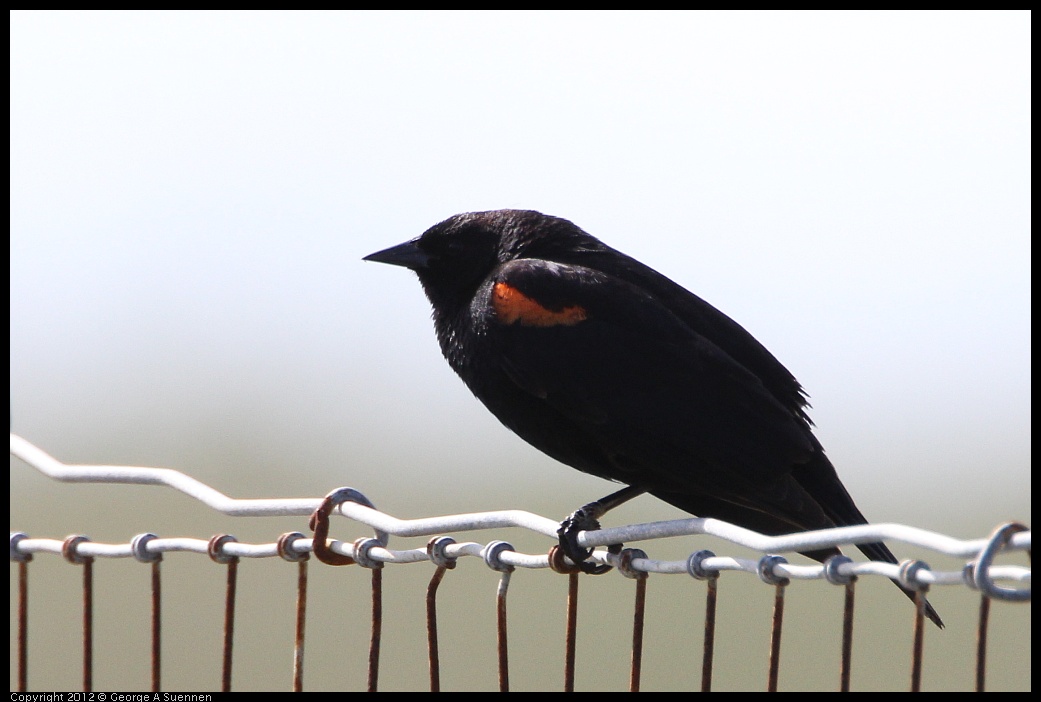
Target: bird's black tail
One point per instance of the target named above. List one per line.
(819, 479)
(880, 552)
(834, 507)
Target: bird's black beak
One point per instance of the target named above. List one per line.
(408, 255)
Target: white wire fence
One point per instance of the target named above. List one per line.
(1004, 584)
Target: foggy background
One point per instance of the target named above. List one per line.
(191, 197)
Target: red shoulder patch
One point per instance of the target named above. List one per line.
(512, 307)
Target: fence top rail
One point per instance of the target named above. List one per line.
(355, 506)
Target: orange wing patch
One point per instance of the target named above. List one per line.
(512, 306)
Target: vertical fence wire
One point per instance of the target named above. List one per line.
(847, 638)
(638, 619)
(217, 555)
(229, 624)
(571, 632)
(301, 623)
(377, 629)
(23, 623)
(502, 645)
(775, 637)
(919, 641)
(157, 635)
(433, 654)
(70, 553)
(88, 625)
(625, 565)
(981, 644)
(710, 633)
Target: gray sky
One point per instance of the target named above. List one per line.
(191, 195)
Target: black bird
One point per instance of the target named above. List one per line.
(610, 367)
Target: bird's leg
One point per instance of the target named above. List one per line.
(586, 518)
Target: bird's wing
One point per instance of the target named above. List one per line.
(618, 369)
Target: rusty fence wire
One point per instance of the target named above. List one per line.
(1000, 583)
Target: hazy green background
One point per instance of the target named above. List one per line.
(191, 195)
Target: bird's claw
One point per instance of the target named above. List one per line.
(567, 536)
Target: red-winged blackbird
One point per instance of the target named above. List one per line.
(612, 368)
